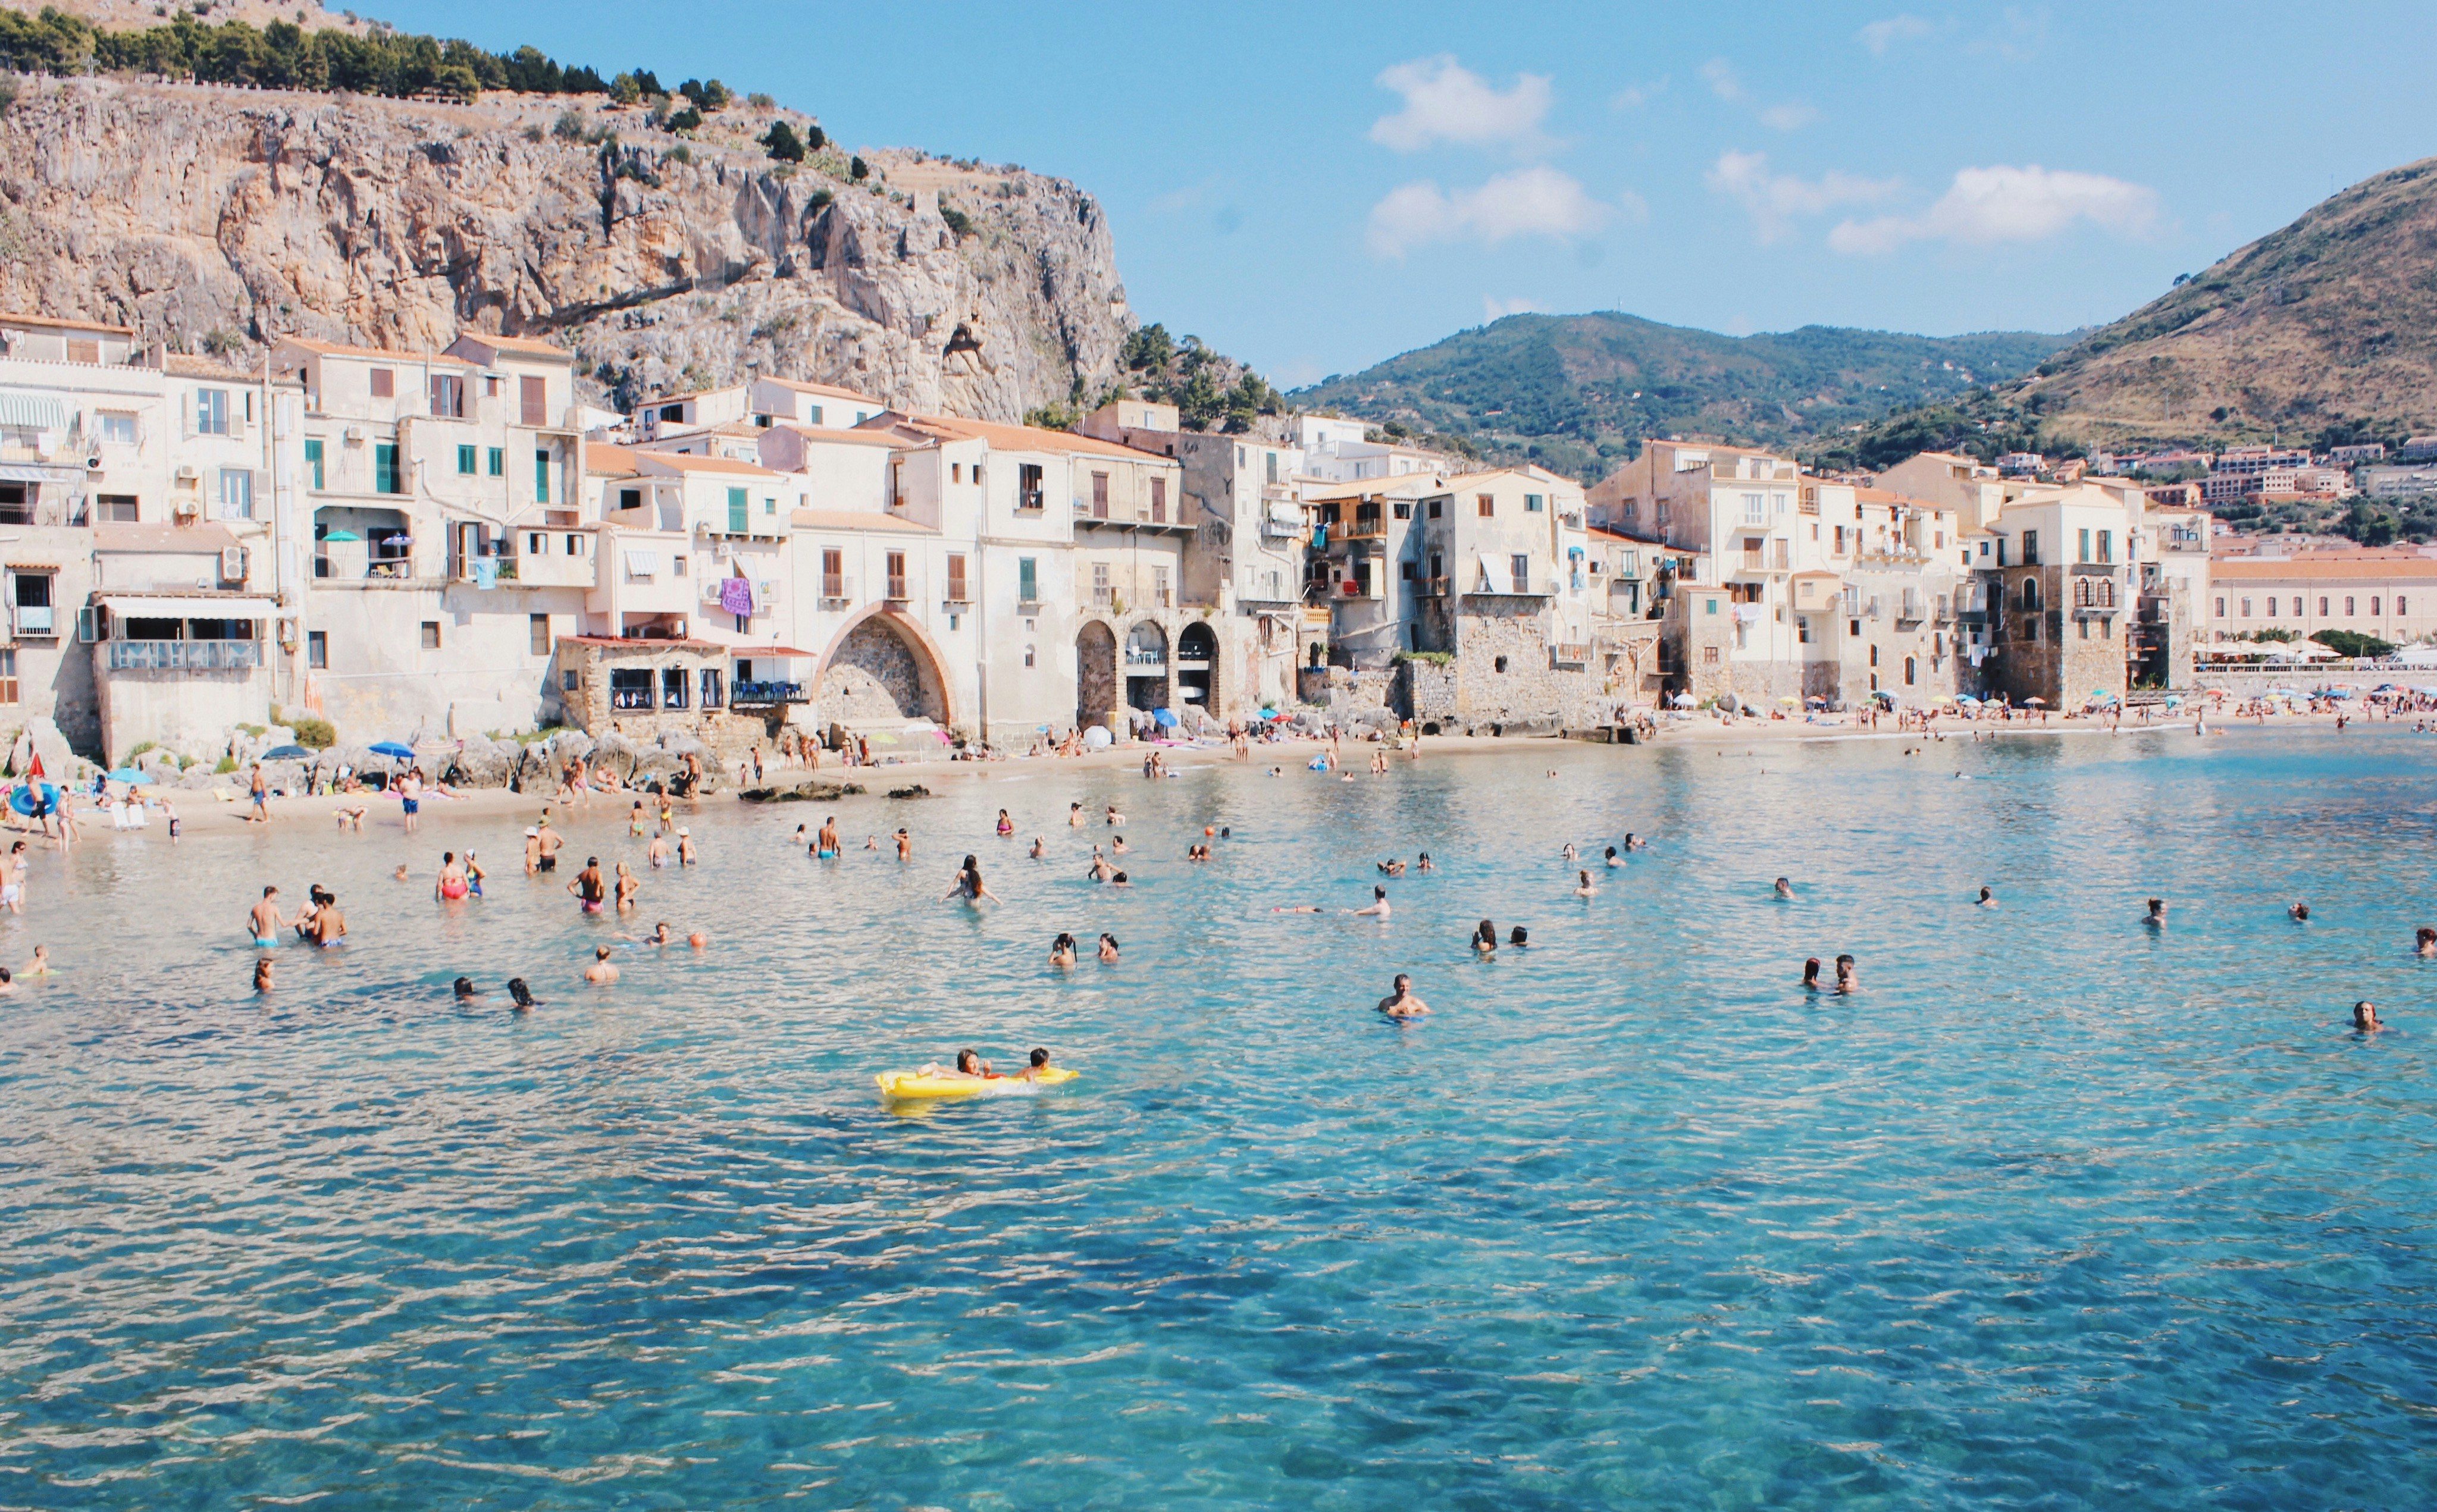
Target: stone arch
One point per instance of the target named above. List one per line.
(1197, 668)
(1148, 666)
(1095, 674)
(881, 668)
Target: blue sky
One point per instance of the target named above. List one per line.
(1316, 187)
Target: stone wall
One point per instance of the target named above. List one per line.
(875, 677)
(1505, 678)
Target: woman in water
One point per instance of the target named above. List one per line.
(1061, 949)
(1519, 937)
(969, 888)
(2424, 940)
(1583, 887)
(1039, 847)
(1485, 939)
(520, 994)
(628, 888)
(1108, 947)
(1613, 858)
(452, 884)
(1006, 826)
(1810, 975)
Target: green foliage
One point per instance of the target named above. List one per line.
(140, 747)
(2370, 526)
(2353, 643)
(815, 138)
(858, 170)
(709, 98)
(624, 89)
(820, 200)
(1574, 393)
(223, 343)
(782, 144)
(959, 223)
(681, 153)
(282, 56)
(228, 764)
(684, 121)
(314, 734)
(1054, 417)
(760, 101)
(7, 94)
(1433, 658)
(569, 127)
(1210, 391)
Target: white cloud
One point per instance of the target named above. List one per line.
(1633, 96)
(1493, 308)
(1774, 199)
(1788, 117)
(1446, 101)
(1880, 35)
(1537, 201)
(1720, 76)
(1989, 205)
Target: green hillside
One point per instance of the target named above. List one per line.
(1575, 393)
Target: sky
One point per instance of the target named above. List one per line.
(1315, 187)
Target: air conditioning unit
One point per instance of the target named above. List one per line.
(710, 589)
(355, 435)
(232, 563)
(93, 464)
(188, 474)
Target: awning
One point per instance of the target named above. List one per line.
(37, 411)
(37, 473)
(642, 562)
(1286, 515)
(187, 606)
(1492, 581)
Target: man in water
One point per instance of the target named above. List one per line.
(1849, 975)
(1039, 1063)
(1401, 1003)
(330, 924)
(550, 845)
(2156, 917)
(589, 892)
(1100, 871)
(600, 973)
(410, 794)
(2365, 1017)
(1378, 908)
(265, 921)
(659, 936)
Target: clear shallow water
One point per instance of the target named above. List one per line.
(2055, 1213)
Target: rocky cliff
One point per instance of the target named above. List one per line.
(207, 215)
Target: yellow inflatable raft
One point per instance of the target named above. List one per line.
(914, 1083)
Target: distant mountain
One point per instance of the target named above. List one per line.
(1576, 393)
(2325, 328)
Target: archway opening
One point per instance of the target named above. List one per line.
(1146, 667)
(1197, 668)
(1096, 675)
(881, 676)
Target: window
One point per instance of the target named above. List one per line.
(317, 650)
(449, 396)
(1852, 627)
(739, 512)
(1405, 571)
(539, 625)
(385, 479)
(1404, 509)
(1874, 655)
(957, 593)
(566, 678)
(2348, 606)
(1535, 503)
(630, 687)
(2399, 605)
(1755, 509)
(1521, 566)
(211, 412)
(2085, 628)
(384, 384)
(465, 462)
(1909, 671)
(1100, 496)
(8, 677)
(677, 565)
(529, 408)
(712, 693)
(237, 493)
(541, 476)
(313, 466)
(2030, 549)
(1028, 580)
(431, 634)
(2246, 609)
(672, 680)
(1027, 486)
(2085, 555)
(119, 508)
(833, 573)
(2107, 546)
(1028, 654)
(897, 574)
(1102, 592)
(2220, 608)
(1159, 501)
(1485, 505)
(2322, 606)
(1708, 655)
(1709, 606)
(118, 430)
(2372, 608)
(497, 463)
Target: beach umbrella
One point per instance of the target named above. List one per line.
(1165, 717)
(288, 752)
(342, 535)
(394, 748)
(2040, 702)
(130, 775)
(1789, 699)
(1682, 700)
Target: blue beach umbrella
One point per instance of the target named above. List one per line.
(130, 775)
(1165, 717)
(287, 753)
(391, 748)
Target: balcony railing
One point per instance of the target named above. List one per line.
(897, 588)
(1136, 657)
(1029, 499)
(634, 698)
(36, 619)
(766, 695)
(837, 587)
(185, 655)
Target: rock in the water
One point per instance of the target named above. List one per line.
(915, 791)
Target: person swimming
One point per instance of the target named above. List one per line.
(1423, 863)
(1583, 887)
(1061, 949)
(1810, 975)
(1633, 842)
(1400, 1003)
(1037, 1064)
(1613, 858)
(1519, 937)
(1988, 899)
(1378, 908)
(2156, 917)
(1849, 975)
(600, 973)
(2365, 1019)
(1484, 938)
(2424, 940)
(1108, 947)
(1784, 888)
(970, 1068)
(465, 990)
(1039, 847)
(2299, 913)
(522, 994)
(1099, 871)
(262, 975)
(969, 888)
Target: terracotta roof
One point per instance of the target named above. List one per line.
(1015, 438)
(46, 322)
(2360, 569)
(334, 349)
(829, 390)
(160, 537)
(521, 346)
(687, 463)
(859, 520)
(603, 458)
(851, 436)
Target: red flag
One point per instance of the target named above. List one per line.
(36, 769)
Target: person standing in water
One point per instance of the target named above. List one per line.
(451, 885)
(1401, 1001)
(589, 892)
(2365, 1019)
(600, 973)
(969, 888)
(2156, 917)
(1378, 908)
(1849, 975)
(1810, 975)
(265, 922)
(1485, 939)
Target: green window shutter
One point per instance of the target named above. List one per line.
(541, 478)
(466, 461)
(385, 470)
(738, 513)
(313, 464)
(498, 461)
(1028, 580)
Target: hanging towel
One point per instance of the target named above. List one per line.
(486, 572)
(736, 596)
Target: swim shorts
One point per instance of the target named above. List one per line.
(413, 806)
(591, 904)
(548, 863)
(266, 942)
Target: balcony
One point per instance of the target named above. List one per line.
(1030, 499)
(1372, 530)
(1569, 656)
(1140, 660)
(185, 655)
(767, 695)
(34, 621)
(897, 593)
(837, 590)
(1433, 587)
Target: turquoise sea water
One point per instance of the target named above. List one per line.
(2057, 1213)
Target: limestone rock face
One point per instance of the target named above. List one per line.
(485, 763)
(190, 211)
